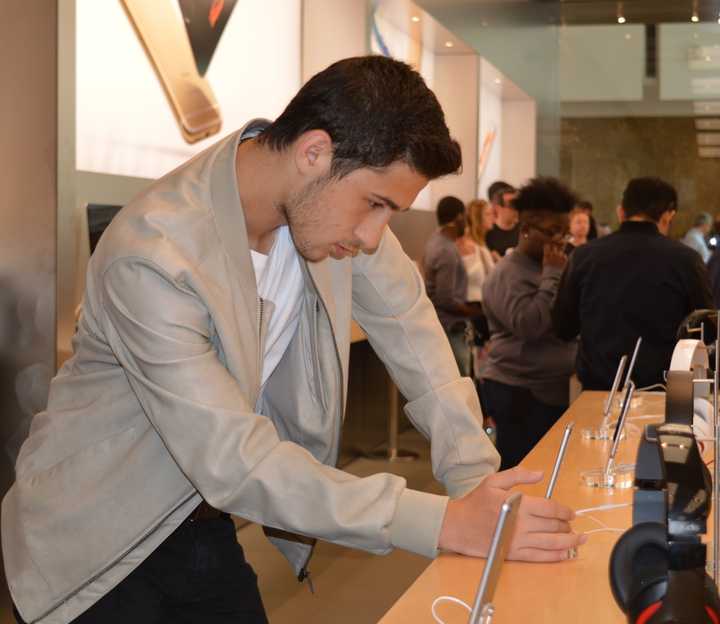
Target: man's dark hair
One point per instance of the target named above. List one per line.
(498, 190)
(495, 187)
(377, 111)
(448, 208)
(584, 204)
(545, 195)
(650, 197)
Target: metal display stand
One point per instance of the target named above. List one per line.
(614, 476)
(392, 453)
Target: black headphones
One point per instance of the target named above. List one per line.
(657, 567)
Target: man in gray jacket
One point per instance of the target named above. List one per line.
(210, 373)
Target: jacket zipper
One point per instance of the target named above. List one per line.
(261, 308)
(304, 574)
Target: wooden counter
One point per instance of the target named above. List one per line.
(576, 591)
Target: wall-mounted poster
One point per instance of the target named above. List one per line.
(160, 80)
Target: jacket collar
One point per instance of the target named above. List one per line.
(232, 230)
(639, 227)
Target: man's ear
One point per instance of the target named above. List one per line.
(666, 221)
(620, 211)
(312, 152)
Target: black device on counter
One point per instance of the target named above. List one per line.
(658, 567)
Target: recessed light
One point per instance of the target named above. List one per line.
(449, 44)
(695, 19)
(621, 19)
(415, 18)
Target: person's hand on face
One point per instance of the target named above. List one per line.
(542, 531)
(554, 255)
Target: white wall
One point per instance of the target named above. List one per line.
(490, 134)
(456, 87)
(602, 63)
(519, 140)
(332, 30)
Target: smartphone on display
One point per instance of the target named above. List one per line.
(499, 547)
(205, 21)
(160, 27)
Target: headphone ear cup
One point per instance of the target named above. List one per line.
(638, 561)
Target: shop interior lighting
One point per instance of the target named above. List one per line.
(449, 44)
(415, 18)
(620, 13)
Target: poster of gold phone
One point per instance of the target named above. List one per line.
(159, 80)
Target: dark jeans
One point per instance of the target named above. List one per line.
(521, 420)
(197, 576)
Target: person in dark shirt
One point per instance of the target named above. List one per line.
(504, 233)
(633, 283)
(446, 279)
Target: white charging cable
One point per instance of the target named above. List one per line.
(440, 599)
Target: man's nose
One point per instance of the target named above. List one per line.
(371, 230)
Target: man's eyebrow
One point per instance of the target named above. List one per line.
(390, 203)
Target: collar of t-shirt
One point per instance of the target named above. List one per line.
(279, 279)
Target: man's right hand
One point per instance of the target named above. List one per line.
(542, 530)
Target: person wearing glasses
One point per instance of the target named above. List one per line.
(526, 378)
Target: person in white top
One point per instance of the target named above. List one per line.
(475, 254)
(695, 237)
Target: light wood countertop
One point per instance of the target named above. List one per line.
(575, 591)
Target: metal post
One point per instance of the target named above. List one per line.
(716, 468)
(393, 453)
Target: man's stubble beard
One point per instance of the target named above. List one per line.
(300, 212)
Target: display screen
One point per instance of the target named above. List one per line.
(159, 81)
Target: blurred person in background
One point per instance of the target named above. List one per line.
(504, 233)
(587, 208)
(636, 282)
(579, 229)
(478, 264)
(696, 236)
(472, 246)
(446, 280)
(526, 377)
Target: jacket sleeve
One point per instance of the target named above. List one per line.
(390, 304)
(159, 330)
(566, 310)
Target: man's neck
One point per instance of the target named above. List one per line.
(263, 187)
(505, 223)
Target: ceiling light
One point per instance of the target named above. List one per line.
(621, 19)
(620, 13)
(695, 19)
(415, 18)
(449, 44)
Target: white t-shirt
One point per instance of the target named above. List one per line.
(280, 280)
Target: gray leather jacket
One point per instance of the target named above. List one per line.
(160, 406)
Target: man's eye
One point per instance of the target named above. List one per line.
(376, 204)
